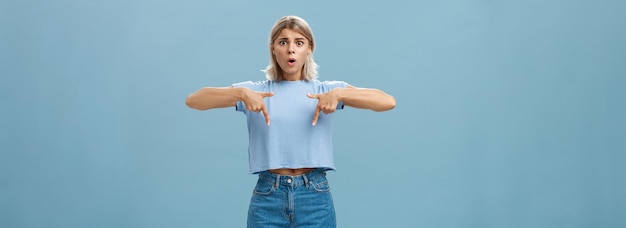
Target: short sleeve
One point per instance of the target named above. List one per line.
(335, 84)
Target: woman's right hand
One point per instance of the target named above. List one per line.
(254, 102)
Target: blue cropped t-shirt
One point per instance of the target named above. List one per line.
(290, 141)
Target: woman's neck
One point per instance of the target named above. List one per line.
(292, 77)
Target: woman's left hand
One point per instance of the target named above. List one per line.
(326, 102)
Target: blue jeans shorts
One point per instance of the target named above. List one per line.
(292, 201)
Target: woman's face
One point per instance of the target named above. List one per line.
(290, 50)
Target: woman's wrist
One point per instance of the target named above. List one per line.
(241, 93)
(339, 93)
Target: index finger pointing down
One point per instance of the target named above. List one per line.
(266, 115)
(316, 115)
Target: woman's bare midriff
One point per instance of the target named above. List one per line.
(291, 172)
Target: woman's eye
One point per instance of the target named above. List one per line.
(282, 42)
(300, 43)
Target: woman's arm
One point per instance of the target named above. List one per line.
(214, 97)
(373, 99)
(366, 98)
(222, 97)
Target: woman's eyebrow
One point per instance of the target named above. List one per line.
(285, 38)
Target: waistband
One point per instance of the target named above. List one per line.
(303, 179)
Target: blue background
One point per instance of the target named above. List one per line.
(510, 113)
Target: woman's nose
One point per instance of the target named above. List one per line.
(290, 49)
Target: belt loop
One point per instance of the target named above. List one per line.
(306, 180)
(277, 182)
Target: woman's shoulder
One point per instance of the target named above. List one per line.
(254, 85)
(331, 83)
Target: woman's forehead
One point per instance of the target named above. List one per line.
(290, 33)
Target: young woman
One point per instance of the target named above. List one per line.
(289, 126)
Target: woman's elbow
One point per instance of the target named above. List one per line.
(392, 103)
(192, 103)
(389, 104)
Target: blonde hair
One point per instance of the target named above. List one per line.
(309, 70)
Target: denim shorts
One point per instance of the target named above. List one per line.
(292, 201)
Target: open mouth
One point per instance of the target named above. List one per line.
(291, 61)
